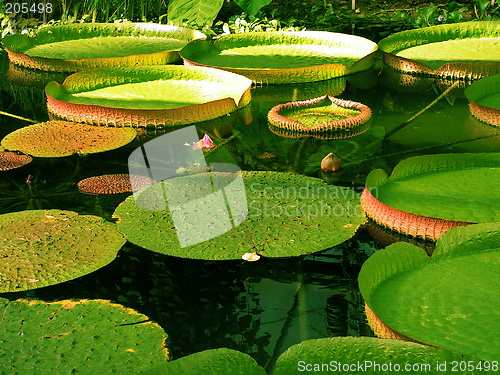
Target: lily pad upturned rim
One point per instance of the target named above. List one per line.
(444, 300)
(261, 76)
(276, 119)
(159, 118)
(64, 138)
(409, 223)
(485, 86)
(402, 40)
(16, 45)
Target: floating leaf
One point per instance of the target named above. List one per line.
(473, 45)
(284, 57)
(46, 247)
(113, 184)
(450, 300)
(11, 160)
(211, 362)
(61, 138)
(427, 195)
(320, 115)
(145, 96)
(484, 99)
(365, 355)
(288, 215)
(74, 47)
(85, 337)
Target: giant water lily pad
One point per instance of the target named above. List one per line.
(364, 355)
(211, 362)
(451, 300)
(446, 50)
(84, 337)
(62, 138)
(284, 57)
(273, 214)
(427, 195)
(46, 247)
(148, 96)
(75, 47)
(484, 99)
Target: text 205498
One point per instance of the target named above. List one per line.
(20, 8)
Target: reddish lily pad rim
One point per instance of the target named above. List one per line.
(412, 224)
(159, 118)
(280, 121)
(485, 86)
(15, 46)
(402, 40)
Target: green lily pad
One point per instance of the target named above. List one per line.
(426, 195)
(85, 337)
(319, 115)
(62, 138)
(365, 355)
(426, 50)
(145, 96)
(47, 247)
(484, 98)
(450, 300)
(287, 215)
(211, 362)
(77, 47)
(284, 57)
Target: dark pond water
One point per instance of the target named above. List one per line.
(264, 307)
